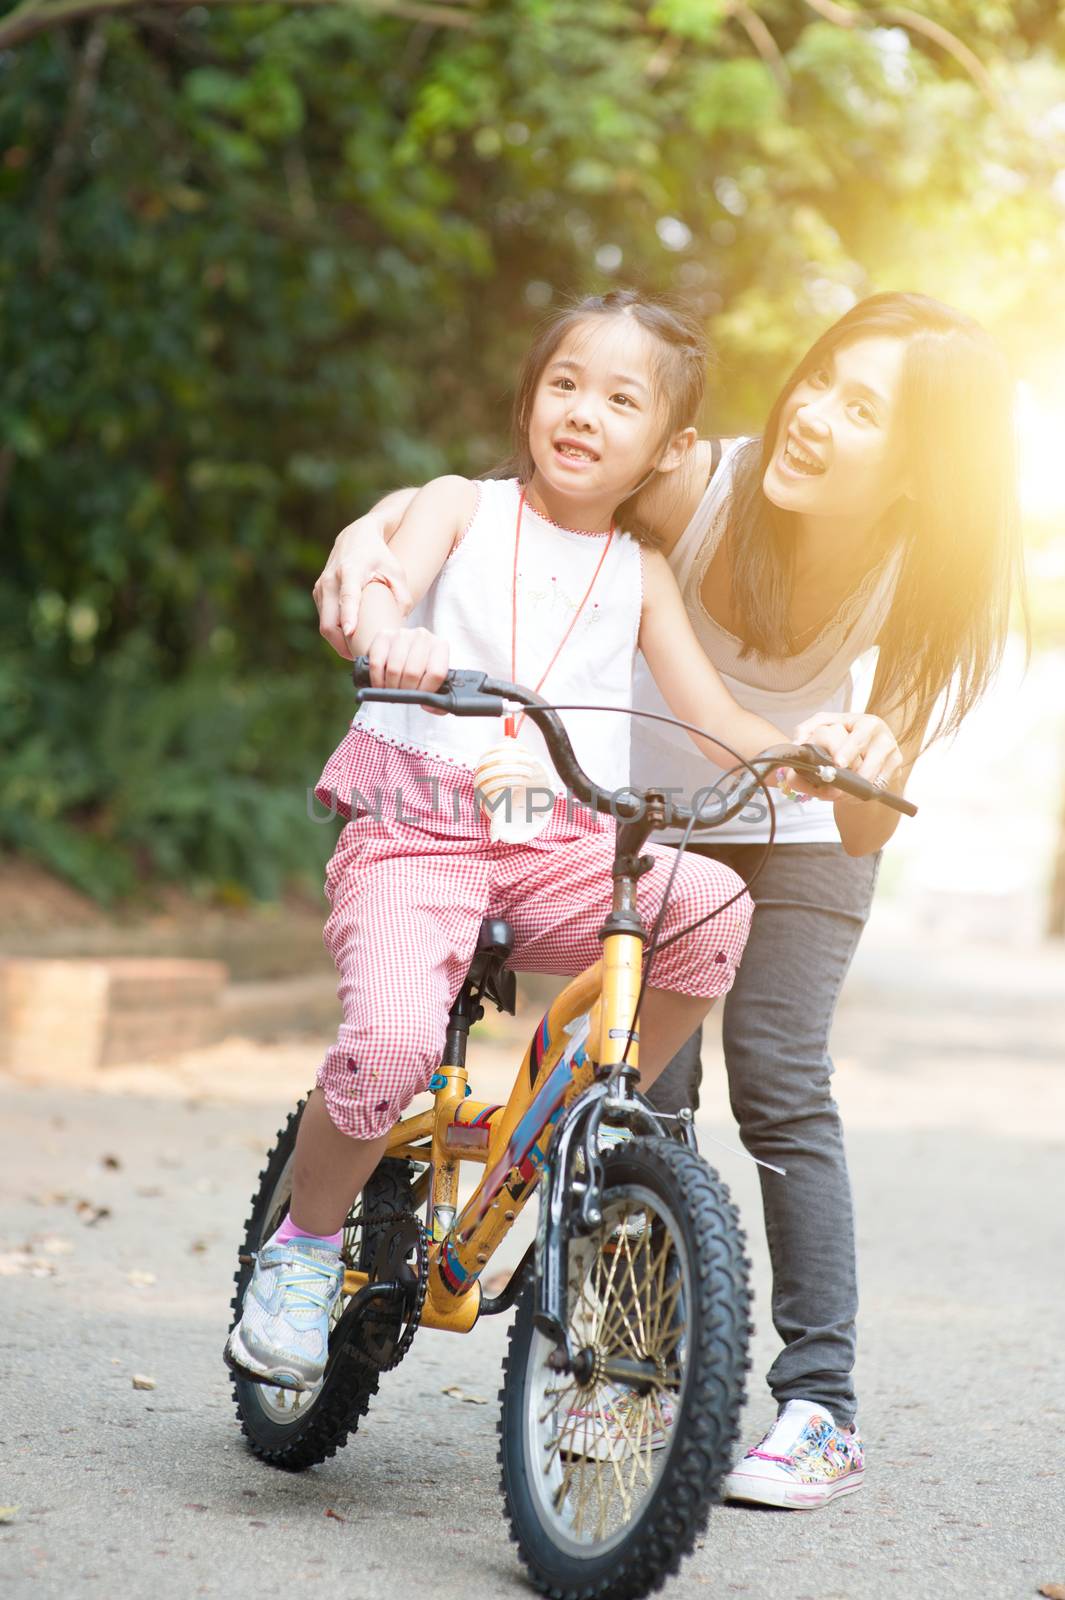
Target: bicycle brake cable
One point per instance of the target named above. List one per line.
(653, 945)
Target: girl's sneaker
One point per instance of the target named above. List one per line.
(282, 1337)
(620, 1422)
(803, 1462)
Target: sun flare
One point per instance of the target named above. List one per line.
(1041, 437)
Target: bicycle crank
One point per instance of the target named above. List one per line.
(384, 1316)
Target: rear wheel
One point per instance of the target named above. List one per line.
(298, 1429)
(607, 1484)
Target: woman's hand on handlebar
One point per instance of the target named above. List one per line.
(857, 740)
(360, 555)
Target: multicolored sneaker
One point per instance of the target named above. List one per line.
(282, 1337)
(803, 1462)
(617, 1422)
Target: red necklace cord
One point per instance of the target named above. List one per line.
(512, 725)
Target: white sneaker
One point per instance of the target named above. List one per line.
(615, 1422)
(282, 1337)
(803, 1462)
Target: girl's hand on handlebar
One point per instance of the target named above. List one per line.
(409, 658)
(359, 556)
(857, 740)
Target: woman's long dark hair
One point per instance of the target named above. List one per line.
(959, 534)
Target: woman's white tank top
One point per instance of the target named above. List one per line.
(783, 690)
(470, 605)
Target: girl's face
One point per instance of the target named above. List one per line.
(839, 449)
(595, 429)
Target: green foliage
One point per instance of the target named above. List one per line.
(290, 258)
(116, 777)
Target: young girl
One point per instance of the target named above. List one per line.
(878, 508)
(535, 581)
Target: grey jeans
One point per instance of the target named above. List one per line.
(811, 904)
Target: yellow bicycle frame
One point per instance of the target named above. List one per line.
(589, 1023)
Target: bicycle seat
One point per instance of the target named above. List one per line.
(488, 975)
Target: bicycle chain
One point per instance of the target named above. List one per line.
(390, 1219)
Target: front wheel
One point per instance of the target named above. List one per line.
(607, 1484)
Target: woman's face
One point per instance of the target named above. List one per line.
(839, 446)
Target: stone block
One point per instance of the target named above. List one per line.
(70, 1019)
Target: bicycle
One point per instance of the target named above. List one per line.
(625, 1370)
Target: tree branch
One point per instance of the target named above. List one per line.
(839, 16)
(55, 182)
(914, 22)
(33, 17)
(966, 58)
(7, 469)
(763, 41)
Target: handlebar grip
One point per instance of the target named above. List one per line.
(462, 693)
(862, 789)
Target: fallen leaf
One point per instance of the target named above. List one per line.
(198, 1247)
(141, 1382)
(18, 1261)
(460, 1394)
(8, 1513)
(335, 1515)
(91, 1214)
(140, 1280)
(55, 1245)
(256, 1524)
(111, 1162)
(1053, 1591)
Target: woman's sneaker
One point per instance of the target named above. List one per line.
(282, 1337)
(803, 1462)
(620, 1422)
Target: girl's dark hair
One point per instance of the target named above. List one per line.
(959, 536)
(678, 374)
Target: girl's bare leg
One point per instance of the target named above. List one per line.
(666, 1021)
(330, 1170)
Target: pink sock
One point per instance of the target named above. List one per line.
(288, 1230)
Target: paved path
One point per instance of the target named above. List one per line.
(956, 1117)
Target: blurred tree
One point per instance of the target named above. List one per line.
(263, 262)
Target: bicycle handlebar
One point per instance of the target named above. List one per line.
(473, 694)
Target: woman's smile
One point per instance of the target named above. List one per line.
(796, 458)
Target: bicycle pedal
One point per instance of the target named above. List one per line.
(256, 1377)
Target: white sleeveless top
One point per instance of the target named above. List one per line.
(783, 690)
(469, 604)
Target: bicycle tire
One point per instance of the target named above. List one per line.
(708, 1317)
(294, 1431)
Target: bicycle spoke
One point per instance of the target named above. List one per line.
(599, 1441)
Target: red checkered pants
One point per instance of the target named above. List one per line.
(407, 907)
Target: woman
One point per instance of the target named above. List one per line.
(878, 509)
